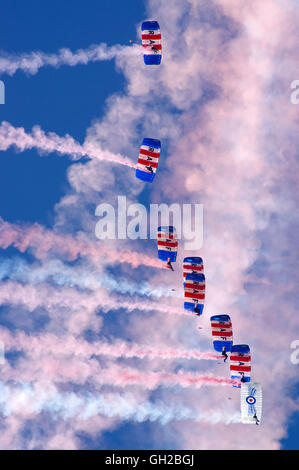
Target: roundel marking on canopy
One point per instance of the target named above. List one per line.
(250, 400)
(151, 42)
(148, 159)
(251, 403)
(167, 243)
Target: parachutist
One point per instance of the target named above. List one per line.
(196, 309)
(148, 161)
(243, 377)
(151, 42)
(167, 245)
(224, 353)
(257, 421)
(169, 265)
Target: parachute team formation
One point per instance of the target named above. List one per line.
(194, 283)
(193, 268)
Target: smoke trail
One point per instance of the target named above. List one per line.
(26, 399)
(49, 297)
(31, 62)
(51, 142)
(42, 241)
(69, 345)
(91, 372)
(155, 379)
(81, 277)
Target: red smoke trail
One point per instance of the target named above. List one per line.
(42, 241)
(71, 345)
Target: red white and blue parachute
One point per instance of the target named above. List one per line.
(192, 265)
(240, 362)
(151, 42)
(222, 332)
(167, 243)
(148, 159)
(251, 403)
(194, 293)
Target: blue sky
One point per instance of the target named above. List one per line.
(64, 101)
(68, 100)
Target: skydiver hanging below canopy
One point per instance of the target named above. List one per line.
(196, 309)
(243, 377)
(169, 265)
(224, 353)
(257, 421)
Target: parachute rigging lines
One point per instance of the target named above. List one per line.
(148, 159)
(151, 42)
(251, 403)
(222, 332)
(240, 363)
(194, 293)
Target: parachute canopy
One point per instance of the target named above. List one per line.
(222, 332)
(167, 243)
(151, 42)
(240, 362)
(194, 288)
(251, 403)
(148, 159)
(192, 264)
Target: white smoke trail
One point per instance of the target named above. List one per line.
(59, 273)
(14, 293)
(27, 399)
(31, 62)
(51, 142)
